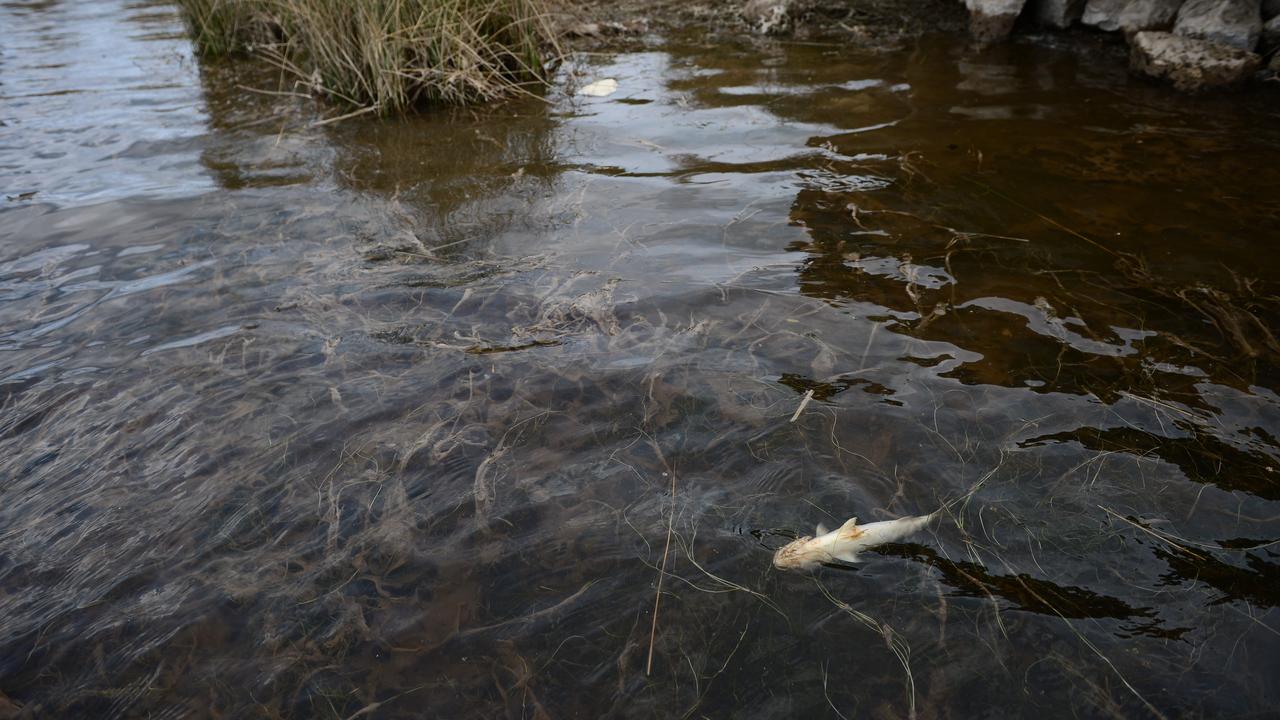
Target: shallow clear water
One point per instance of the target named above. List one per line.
(298, 420)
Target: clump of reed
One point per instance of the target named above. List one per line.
(387, 55)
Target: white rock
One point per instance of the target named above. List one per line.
(1103, 14)
(1231, 22)
(1270, 35)
(1191, 64)
(1130, 16)
(991, 20)
(771, 17)
(1057, 13)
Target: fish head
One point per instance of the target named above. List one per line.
(797, 554)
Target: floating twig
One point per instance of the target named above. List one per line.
(653, 628)
(804, 402)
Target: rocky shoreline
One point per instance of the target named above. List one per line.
(1193, 44)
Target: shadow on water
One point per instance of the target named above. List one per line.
(394, 418)
(1200, 457)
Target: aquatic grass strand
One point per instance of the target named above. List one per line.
(390, 55)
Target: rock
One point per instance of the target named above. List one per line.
(1270, 35)
(1231, 22)
(1130, 16)
(1191, 64)
(1103, 14)
(991, 20)
(601, 29)
(1270, 9)
(771, 17)
(1058, 13)
(585, 29)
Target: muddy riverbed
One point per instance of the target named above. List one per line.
(400, 418)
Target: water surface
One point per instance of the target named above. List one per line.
(402, 417)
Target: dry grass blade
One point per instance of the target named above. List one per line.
(373, 707)
(1153, 533)
(827, 695)
(892, 641)
(723, 584)
(662, 573)
(1089, 644)
(533, 616)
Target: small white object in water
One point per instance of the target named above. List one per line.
(845, 543)
(599, 88)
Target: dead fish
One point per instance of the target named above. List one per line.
(599, 88)
(846, 542)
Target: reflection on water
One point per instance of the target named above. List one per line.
(389, 421)
(81, 119)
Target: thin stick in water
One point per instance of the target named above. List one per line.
(662, 572)
(804, 402)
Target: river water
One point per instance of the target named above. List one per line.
(410, 418)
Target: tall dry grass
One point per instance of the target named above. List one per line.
(388, 55)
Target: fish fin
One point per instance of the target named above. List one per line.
(821, 529)
(850, 528)
(847, 556)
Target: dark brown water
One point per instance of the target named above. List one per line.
(386, 416)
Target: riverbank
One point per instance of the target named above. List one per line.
(1193, 45)
(863, 20)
